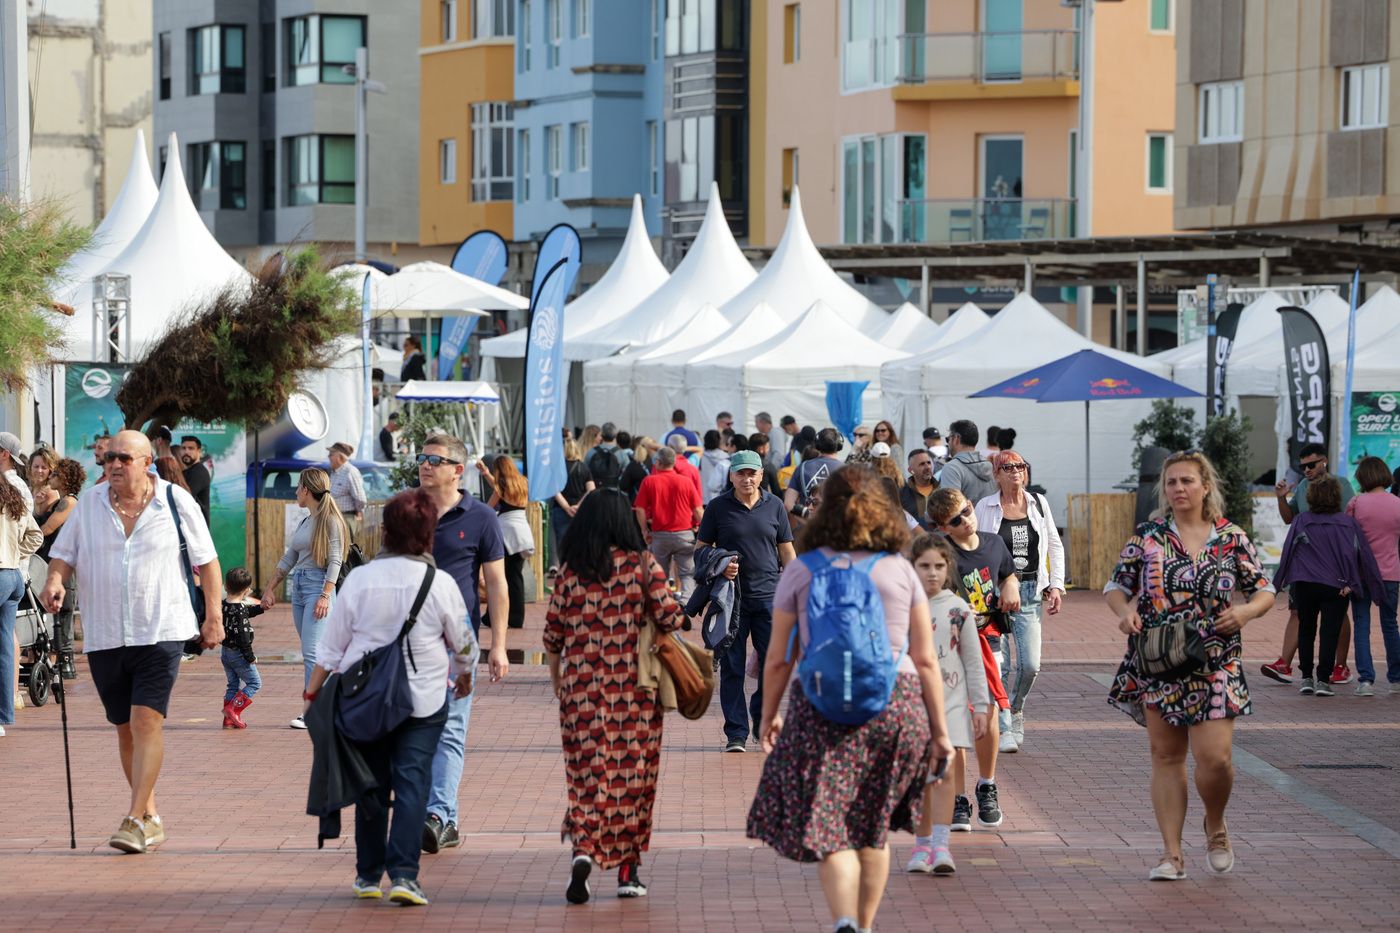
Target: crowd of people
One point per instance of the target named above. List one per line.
(942, 555)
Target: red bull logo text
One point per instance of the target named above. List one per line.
(1101, 388)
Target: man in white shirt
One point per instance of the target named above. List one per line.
(11, 459)
(124, 539)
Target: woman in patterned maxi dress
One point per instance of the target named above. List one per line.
(1187, 565)
(609, 586)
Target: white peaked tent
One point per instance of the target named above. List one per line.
(711, 273)
(932, 389)
(961, 324)
(174, 262)
(432, 287)
(964, 322)
(908, 329)
(797, 275)
(123, 221)
(634, 274)
(1258, 321)
(1377, 367)
(608, 390)
(788, 372)
(659, 383)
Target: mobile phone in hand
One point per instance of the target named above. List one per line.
(938, 773)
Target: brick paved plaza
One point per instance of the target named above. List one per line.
(1315, 819)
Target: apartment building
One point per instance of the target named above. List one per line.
(1288, 105)
(912, 121)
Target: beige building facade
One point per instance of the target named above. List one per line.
(1285, 110)
(91, 72)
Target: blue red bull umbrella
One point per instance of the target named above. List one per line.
(1086, 376)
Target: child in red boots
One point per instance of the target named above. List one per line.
(240, 664)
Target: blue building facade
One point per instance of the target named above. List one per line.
(588, 119)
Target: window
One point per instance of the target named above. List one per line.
(319, 48)
(1160, 15)
(789, 175)
(216, 60)
(870, 42)
(493, 161)
(691, 25)
(494, 19)
(164, 65)
(523, 146)
(553, 32)
(581, 135)
(1365, 97)
(705, 150)
(447, 161)
(449, 20)
(656, 20)
(267, 54)
(582, 12)
(1222, 112)
(269, 175)
(792, 33)
(218, 175)
(653, 160)
(527, 35)
(320, 170)
(553, 159)
(1159, 163)
(883, 188)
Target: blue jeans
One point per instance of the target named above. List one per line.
(401, 762)
(237, 668)
(558, 523)
(1020, 662)
(11, 588)
(1390, 635)
(756, 623)
(303, 589)
(447, 760)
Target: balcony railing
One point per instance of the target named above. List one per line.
(951, 220)
(989, 57)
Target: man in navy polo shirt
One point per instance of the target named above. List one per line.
(747, 519)
(467, 543)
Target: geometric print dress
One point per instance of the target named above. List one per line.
(1169, 585)
(611, 729)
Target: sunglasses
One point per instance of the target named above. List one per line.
(434, 460)
(1312, 464)
(882, 430)
(862, 434)
(962, 516)
(112, 455)
(1013, 467)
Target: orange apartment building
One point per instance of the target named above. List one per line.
(957, 120)
(466, 162)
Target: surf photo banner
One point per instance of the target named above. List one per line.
(546, 374)
(1309, 381)
(483, 257)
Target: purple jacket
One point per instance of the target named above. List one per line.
(1329, 549)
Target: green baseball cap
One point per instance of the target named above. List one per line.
(745, 460)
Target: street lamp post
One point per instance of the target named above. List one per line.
(363, 87)
(1084, 216)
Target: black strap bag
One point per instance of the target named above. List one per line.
(194, 645)
(1171, 651)
(375, 697)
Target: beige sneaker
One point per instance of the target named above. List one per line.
(154, 829)
(1219, 857)
(1171, 868)
(19, 699)
(130, 837)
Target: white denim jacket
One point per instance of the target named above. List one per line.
(1050, 574)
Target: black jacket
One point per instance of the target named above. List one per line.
(340, 775)
(717, 596)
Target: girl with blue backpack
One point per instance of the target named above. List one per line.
(864, 730)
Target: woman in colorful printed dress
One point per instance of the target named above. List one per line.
(831, 793)
(1187, 564)
(609, 586)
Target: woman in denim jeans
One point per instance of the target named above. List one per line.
(19, 538)
(312, 564)
(1378, 514)
(1024, 522)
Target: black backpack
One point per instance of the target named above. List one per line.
(605, 466)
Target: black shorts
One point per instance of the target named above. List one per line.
(136, 675)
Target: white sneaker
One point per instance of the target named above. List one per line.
(1365, 689)
(298, 723)
(1169, 869)
(2, 732)
(1007, 745)
(1018, 728)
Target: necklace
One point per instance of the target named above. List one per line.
(145, 497)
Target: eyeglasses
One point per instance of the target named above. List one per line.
(962, 516)
(1012, 467)
(882, 430)
(862, 434)
(1312, 464)
(435, 460)
(113, 455)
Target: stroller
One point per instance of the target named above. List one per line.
(38, 638)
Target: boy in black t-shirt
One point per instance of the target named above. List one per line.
(240, 664)
(987, 575)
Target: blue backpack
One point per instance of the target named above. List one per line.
(847, 670)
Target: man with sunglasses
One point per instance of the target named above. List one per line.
(124, 539)
(468, 545)
(1293, 501)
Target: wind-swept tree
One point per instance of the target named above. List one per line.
(35, 241)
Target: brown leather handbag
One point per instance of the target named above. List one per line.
(692, 671)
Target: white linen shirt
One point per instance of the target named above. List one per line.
(1051, 572)
(133, 590)
(371, 608)
(348, 488)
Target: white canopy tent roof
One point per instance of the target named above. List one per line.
(1257, 321)
(932, 389)
(608, 390)
(430, 288)
(908, 329)
(711, 273)
(962, 323)
(173, 261)
(468, 393)
(788, 372)
(797, 275)
(659, 383)
(1377, 366)
(634, 274)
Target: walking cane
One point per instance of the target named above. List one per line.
(62, 697)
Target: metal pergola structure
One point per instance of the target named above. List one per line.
(1125, 263)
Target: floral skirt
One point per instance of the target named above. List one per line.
(1219, 692)
(828, 787)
